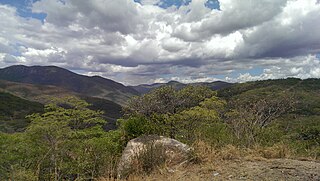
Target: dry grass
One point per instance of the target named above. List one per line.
(209, 160)
(207, 153)
(152, 158)
(275, 151)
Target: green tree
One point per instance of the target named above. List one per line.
(192, 123)
(68, 138)
(173, 113)
(167, 100)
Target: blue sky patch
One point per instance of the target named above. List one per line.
(254, 72)
(212, 4)
(24, 8)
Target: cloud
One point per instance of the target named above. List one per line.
(234, 15)
(298, 67)
(110, 16)
(141, 42)
(292, 33)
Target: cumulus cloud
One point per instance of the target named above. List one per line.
(294, 32)
(141, 42)
(234, 15)
(298, 67)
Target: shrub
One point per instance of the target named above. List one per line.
(216, 134)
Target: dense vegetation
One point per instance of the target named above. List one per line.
(298, 126)
(67, 142)
(13, 111)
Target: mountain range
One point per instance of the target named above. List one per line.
(41, 83)
(145, 88)
(64, 80)
(94, 86)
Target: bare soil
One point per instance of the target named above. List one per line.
(263, 169)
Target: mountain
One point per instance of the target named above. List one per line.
(216, 85)
(94, 86)
(43, 94)
(34, 92)
(145, 88)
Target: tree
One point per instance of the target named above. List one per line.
(167, 100)
(190, 123)
(161, 101)
(178, 114)
(65, 135)
(252, 112)
(157, 108)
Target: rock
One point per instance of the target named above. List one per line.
(216, 174)
(173, 151)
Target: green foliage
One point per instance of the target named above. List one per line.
(303, 134)
(191, 96)
(254, 110)
(217, 134)
(134, 127)
(189, 112)
(189, 122)
(295, 127)
(66, 142)
(16, 154)
(270, 135)
(268, 85)
(166, 100)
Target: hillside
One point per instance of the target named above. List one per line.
(13, 111)
(305, 91)
(145, 88)
(34, 92)
(43, 94)
(300, 126)
(50, 75)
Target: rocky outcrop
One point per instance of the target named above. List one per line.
(174, 152)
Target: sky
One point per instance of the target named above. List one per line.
(148, 41)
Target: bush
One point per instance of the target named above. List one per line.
(134, 127)
(270, 135)
(307, 142)
(217, 134)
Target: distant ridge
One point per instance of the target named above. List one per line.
(145, 88)
(95, 86)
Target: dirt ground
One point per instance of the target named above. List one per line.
(263, 169)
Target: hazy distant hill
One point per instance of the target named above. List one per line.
(50, 75)
(145, 88)
(216, 85)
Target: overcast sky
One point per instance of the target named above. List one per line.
(147, 41)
